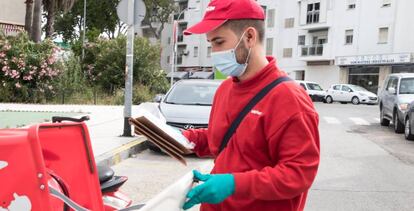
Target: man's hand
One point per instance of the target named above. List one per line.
(215, 189)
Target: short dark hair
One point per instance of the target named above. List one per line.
(238, 26)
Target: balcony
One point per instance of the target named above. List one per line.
(180, 38)
(181, 17)
(312, 50)
(315, 16)
(179, 60)
(320, 52)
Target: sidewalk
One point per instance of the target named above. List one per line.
(105, 128)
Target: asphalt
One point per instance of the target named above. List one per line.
(105, 128)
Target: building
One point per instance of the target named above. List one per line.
(12, 13)
(193, 52)
(326, 41)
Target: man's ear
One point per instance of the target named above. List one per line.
(251, 37)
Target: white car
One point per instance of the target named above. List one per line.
(346, 93)
(314, 90)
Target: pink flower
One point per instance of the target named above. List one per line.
(51, 60)
(7, 47)
(18, 85)
(2, 55)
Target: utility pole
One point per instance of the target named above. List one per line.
(129, 69)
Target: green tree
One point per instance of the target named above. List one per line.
(101, 18)
(104, 64)
(158, 13)
(52, 7)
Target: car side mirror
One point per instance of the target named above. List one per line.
(158, 98)
(392, 90)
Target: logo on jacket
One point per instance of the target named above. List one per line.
(3, 164)
(189, 127)
(259, 113)
(210, 8)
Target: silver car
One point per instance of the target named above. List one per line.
(395, 96)
(188, 103)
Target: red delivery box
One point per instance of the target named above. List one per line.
(45, 156)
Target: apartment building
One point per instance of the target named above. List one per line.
(326, 41)
(12, 13)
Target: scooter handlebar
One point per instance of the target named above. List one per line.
(61, 118)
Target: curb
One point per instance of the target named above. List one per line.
(123, 152)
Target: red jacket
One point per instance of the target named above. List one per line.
(274, 154)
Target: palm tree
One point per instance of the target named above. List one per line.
(29, 16)
(37, 21)
(33, 22)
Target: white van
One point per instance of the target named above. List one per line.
(314, 90)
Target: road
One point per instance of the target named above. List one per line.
(364, 166)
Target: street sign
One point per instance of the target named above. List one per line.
(139, 12)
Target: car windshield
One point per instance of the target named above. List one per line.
(407, 86)
(192, 94)
(316, 87)
(358, 88)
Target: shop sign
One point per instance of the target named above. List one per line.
(378, 59)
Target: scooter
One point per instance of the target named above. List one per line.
(51, 166)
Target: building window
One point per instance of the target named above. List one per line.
(168, 60)
(169, 40)
(386, 3)
(287, 52)
(271, 18)
(269, 46)
(195, 51)
(209, 52)
(264, 9)
(312, 15)
(351, 4)
(301, 39)
(289, 22)
(383, 35)
(349, 36)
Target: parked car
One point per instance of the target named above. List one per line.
(395, 95)
(345, 93)
(314, 90)
(409, 122)
(188, 103)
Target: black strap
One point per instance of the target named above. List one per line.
(235, 124)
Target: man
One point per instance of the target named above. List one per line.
(271, 160)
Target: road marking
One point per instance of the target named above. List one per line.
(359, 121)
(332, 120)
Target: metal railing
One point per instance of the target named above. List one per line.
(312, 50)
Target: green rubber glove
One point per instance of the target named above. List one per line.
(215, 189)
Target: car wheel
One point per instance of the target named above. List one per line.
(383, 121)
(407, 131)
(355, 100)
(329, 99)
(398, 125)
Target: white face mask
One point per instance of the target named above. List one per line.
(226, 62)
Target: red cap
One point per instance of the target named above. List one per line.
(219, 11)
